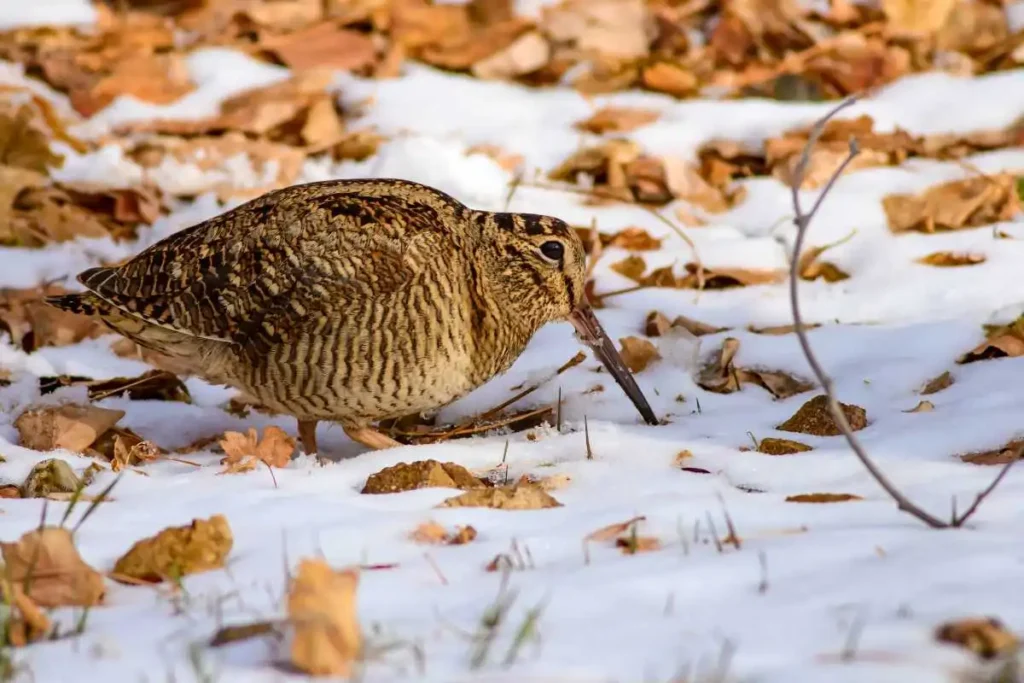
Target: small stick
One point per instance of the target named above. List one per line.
(567, 365)
(802, 221)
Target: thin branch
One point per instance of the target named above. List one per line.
(802, 221)
(980, 498)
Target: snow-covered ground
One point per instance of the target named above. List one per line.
(838, 592)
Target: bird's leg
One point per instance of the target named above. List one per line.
(307, 435)
(370, 437)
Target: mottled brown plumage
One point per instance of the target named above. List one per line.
(350, 300)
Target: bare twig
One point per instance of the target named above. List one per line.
(571, 363)
(802, 220)
(958, 521)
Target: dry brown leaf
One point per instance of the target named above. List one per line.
(954, 205)
(1006, 341)
(922, 407)
(525, 54)
(432, 532)
(633, 239)
(554, 482)
(45, 565)
(243, 452)
(951, 259)
(685, 182)
(986, 637)
(638, 353)
(617, 120)
(24, 140)
(670, 78)
(773, 446)
(200, 546)
(934, 386)
(322, 609)
(613, 531)
(324, 45)
(822, 498)
(633, 544)
(613, 28)
(25, 622)
(722, 377)
(158, 78)
(656, 324)
(33, 324)
(998, 456)
(814, 417)
(917, 17)
(696, 327)
(421, 474)
(72, 427)
(632, 267)
(518, 496)
(811, 267)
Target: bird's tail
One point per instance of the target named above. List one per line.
(83, 303)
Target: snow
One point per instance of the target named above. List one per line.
(46, 13)
(857, 577)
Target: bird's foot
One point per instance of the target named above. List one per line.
(371, 438)
(307, 435)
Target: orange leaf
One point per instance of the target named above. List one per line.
(322, 608)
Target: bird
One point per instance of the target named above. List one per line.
(351, 301)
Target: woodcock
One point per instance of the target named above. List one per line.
(352, 301)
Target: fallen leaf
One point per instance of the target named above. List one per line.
(50, 476)
(24, 142)
(922, 407)
(696, 327)
(822, 498)
(773, 446)
(243, 452)
(1006, 341)
(814, 417)
(421, 474)
(670, 78)
(917, 16)
(507, 160)
(633, 544)
(45, 565)
(72, 427)
(242, 632)
(681, 457)
(200, 546)
(637, 353)
(613, 531)
(934, 386)
(157, 78)
(617, 120)
(614, 28)
(986, 637)
(25, 623)
(633, 239)
(554, 482)
(954, 205)
(518, 496)
(999, 456)
(951, 259)
(432, 532)
(525, 54)
(656, 324)
(723, 377)
(632, 267)
(324, 45)
(322, 609)
(811, 267)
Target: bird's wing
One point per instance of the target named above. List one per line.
(280, 263)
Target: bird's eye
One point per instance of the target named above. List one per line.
(552, 250)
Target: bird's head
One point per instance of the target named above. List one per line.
(542, 272)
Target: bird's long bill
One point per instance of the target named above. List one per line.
(592, 334)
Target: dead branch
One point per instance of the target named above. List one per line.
(802, 221)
